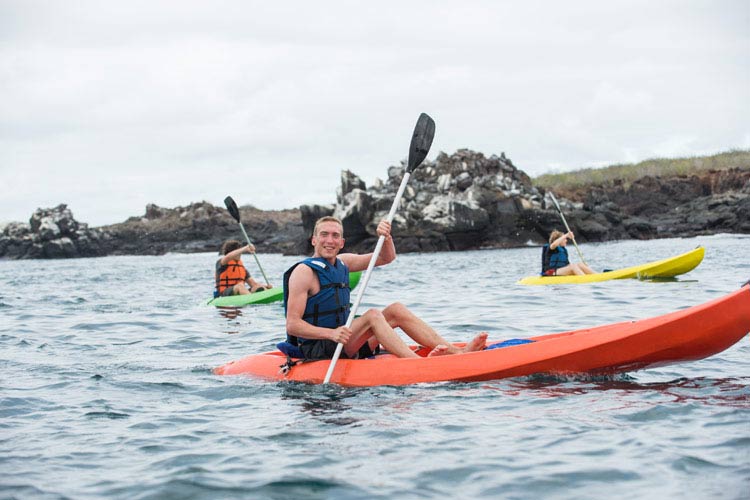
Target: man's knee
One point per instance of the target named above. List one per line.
(373, 316)
(395, 311)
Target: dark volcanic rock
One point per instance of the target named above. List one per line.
(51, 233)
(457, 202)
(203, 227)
(199, 227)
(466, 201)
(658, 207)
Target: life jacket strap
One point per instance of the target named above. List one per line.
(335, 285)
(289, 351)
(317, 313)
(285, 368)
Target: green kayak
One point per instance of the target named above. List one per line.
(266, 296)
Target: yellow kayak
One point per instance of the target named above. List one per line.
(667, 268)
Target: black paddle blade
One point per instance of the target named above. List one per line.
(421, 141)
(232, 207)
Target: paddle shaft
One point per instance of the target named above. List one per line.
(366, 278)
(256, 257)
(559, 210)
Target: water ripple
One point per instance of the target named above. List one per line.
(107, 389)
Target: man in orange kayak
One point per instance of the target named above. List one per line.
(316, 298)
(232, 277)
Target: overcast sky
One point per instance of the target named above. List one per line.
(108, 106)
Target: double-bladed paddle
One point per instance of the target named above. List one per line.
(235, 213)
(554, 200)
(421, 141)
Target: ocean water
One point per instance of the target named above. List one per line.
(106, 388)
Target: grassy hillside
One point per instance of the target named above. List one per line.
(629, 172)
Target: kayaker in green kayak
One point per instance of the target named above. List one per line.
(555, 261)
(316, 299)
(232, 277)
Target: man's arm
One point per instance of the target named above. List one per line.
(357, 262)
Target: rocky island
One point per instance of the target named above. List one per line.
(460, 201)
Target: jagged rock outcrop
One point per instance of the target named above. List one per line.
(466, 201)
(51, 233)
(456, 202)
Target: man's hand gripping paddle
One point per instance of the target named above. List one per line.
(421, 141)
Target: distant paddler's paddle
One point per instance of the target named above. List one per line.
(554, 200)
(235, 212)
(421, 141)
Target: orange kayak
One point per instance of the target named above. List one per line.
(689, 334)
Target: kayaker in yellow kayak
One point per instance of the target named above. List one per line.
(555, 261)
(316, 298)
(231, 275)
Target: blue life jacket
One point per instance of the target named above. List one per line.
(329, 308)
(554, 259)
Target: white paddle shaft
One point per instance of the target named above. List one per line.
(366, 279)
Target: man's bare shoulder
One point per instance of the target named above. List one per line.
(301, 274)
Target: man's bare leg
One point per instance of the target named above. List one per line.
(373, 323)
(398, 316)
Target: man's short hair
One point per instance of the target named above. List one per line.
(328, 218)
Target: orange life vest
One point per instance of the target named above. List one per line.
(230, 274)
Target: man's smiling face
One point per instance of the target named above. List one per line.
(328, 240)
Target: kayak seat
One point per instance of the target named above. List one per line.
(290, 350)
(508, 343)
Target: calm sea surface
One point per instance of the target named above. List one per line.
(106, 389)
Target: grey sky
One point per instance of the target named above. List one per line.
(108, 106)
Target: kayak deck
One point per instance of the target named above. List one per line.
(689, 334)
(666, 268)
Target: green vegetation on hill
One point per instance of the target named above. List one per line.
(629, 172)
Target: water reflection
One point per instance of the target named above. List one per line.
(726, 392)
(229, 312)
(674, 279)
(731, 392)
(325, 401)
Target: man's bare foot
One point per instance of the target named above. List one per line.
(477, 343)
(439, 350)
